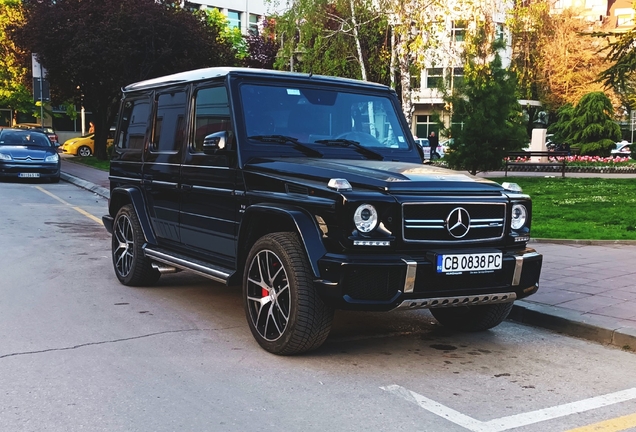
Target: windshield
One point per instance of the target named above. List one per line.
(26, 138)
(321, 116)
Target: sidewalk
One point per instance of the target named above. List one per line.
(587, 288)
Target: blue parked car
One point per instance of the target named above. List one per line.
(28, 154)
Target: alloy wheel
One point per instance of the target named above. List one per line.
(124, 251)
(268, 295)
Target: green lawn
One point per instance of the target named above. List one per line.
(91, 161)
(581, 208)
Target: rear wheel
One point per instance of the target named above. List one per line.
(434, 156)
(284, 312)
(472, 318)
(84, 151)
(131, 266)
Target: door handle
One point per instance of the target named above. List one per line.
(186, 187)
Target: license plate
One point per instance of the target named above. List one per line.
(469, 262)
(29, 175)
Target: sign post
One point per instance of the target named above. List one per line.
(40, 86)
(633, 124)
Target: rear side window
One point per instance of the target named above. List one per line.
(135, 118)
(169, 127)
(212, 114)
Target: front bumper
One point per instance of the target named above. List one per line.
(44, 170)
(386, 282)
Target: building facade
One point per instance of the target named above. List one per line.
(444, 64)
(242, 14)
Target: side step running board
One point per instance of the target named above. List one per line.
(216, 273)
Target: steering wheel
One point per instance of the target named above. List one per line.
(363, 138)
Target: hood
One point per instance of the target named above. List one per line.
(77, 140)
(385, 175)
(21, 152)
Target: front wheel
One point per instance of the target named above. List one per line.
(84, 151)
(472, 318)
(131, 266)
(284, 312)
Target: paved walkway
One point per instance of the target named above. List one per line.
(587, 288)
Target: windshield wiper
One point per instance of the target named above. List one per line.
(284, 139)
(341, 142)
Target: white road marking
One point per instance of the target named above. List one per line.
(514, 421)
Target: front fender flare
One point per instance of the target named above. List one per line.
(305, 225)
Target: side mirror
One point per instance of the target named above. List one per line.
(214, 142)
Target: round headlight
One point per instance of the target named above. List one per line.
(519, 216)
(365, 218)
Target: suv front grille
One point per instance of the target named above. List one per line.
(430, 222)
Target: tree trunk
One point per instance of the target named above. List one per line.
(404, 64)
(102, 126)
(356, 36)
(393, 58)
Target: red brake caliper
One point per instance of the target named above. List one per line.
(265, 291)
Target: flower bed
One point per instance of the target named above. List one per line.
(583, 164)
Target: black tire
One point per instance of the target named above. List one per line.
(55, 179)
(295, 319)
(84, 151)
(131, 266)
(472, 318)
(434, 156)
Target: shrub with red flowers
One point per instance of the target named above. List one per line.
(595, 161)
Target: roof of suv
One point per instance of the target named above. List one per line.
(215, 72)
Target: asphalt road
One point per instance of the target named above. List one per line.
(79, 351)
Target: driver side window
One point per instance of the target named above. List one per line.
(211, 114)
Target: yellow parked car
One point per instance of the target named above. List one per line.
(80, 146)
(83, 145)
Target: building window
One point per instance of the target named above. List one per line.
(253, 24)
(434, 77)
(500, 33)
(624, 17)
(234, 19)
(416, 77)
(459, 30)
(425, 124)
(458, 77)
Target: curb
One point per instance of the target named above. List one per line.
(593, 328)
(584, 242)
(85, 184)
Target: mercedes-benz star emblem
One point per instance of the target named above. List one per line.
(458, 222)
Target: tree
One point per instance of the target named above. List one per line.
(262, 47)
(14, 70)
(91, 48)
(492, 123)
(621, 75)
(555, 55)
(589, 125)
(561, 128)
(227, 34)
(344, 38)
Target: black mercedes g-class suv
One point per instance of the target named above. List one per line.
(310, 192)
